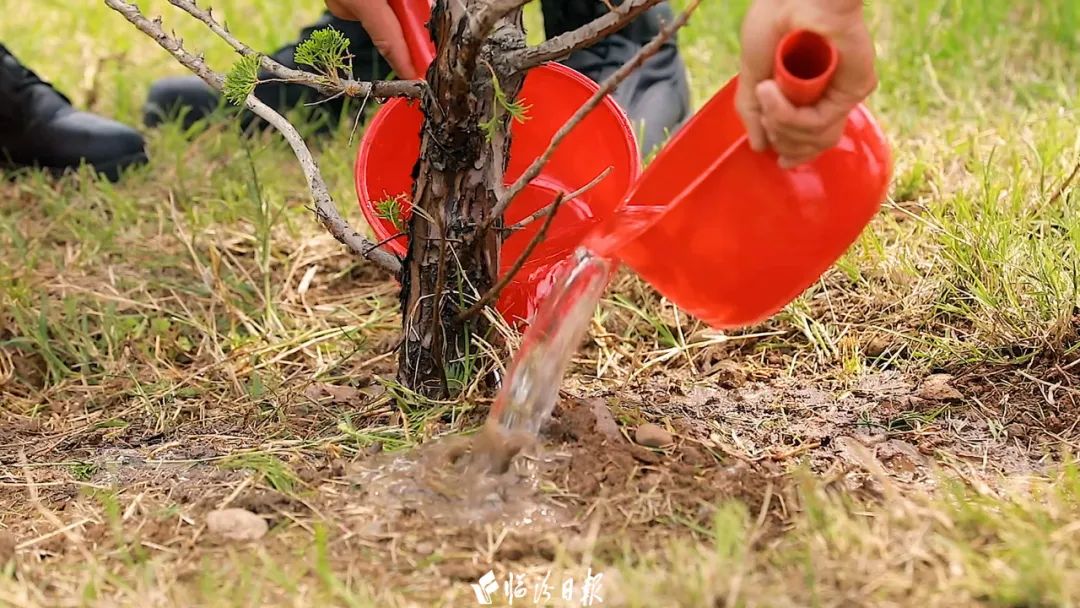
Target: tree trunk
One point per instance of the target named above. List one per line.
(449, 263)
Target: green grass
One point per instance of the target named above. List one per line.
(962, 549)
(268, 467)
(190, 305)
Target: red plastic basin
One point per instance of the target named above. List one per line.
(391, 146)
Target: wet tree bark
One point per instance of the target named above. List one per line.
(449, 263)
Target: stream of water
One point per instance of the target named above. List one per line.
(490, 484)
(531, 388)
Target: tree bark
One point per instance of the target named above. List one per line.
(450, 263)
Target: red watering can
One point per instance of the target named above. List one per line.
(717, 228)
(724, 232)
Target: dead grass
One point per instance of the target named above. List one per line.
(188, 340)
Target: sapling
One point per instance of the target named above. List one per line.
(469, 97)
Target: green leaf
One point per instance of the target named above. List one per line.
(516, 109)
(390, 210)
(326, 50)
(241, 79)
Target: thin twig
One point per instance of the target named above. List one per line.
(606, 87)
(353, 88)
(1064, 185)
(388, 239)
(494, 292)
(486, 19)
(325, 211)
(562, 45)
(74, 539)
(549, 208)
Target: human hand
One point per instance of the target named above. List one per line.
(800, 134)
(380, 22)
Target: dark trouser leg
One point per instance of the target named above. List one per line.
(656, 96)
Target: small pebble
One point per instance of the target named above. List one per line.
(938, 387)
(877, 345)
(652, 436)
(236, 524)
(605, 422)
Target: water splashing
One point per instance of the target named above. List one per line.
(531, 388)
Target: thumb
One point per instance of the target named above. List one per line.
(746, 103)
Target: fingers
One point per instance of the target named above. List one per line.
(746, 103)
(759, 35)
(383, 26)
(798, 135)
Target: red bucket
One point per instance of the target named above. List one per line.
(391, 146)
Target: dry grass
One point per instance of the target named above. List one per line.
(188, 339)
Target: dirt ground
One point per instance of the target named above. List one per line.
(577, 498)
(197, 405)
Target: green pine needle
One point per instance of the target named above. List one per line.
(390, 209)
(327, 51)
(241, 79)
(516, 109)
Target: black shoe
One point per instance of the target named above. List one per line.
(656, 96)
(39, 128)
(191, 99)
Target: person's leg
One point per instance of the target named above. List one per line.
(656, 96)
(190, 97)
(39, 128)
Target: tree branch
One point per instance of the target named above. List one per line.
(496, 289)
(325, 211)
(606, 87)
(485, 21)
(562, 45)
(325, 86)
(1064, 185)
(539, 213)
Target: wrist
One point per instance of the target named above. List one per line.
(826, 17)
(840, 6)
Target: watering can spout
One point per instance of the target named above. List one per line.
(803, 66)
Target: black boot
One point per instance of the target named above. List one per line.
(656, 96)
(189, 98)
(39, 128)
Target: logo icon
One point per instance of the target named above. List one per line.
(487, 586)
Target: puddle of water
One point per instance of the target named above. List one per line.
(439, 484)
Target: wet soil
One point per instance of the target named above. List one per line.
(585, 474)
